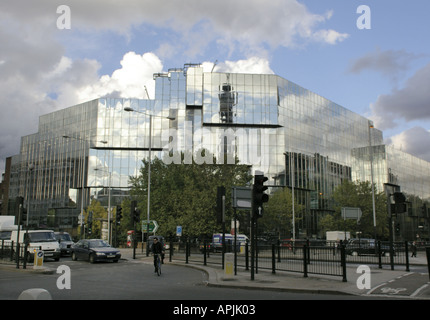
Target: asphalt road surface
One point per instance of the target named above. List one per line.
(129, 280)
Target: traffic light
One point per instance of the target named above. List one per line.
(424, 210)
(258, 195)
(397, 228)
(118, 214)
(219, 203)
(135, 213)
(90, 222)
(24, 216)
(399, 203)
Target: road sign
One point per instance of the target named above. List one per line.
(351, 213)
(153, 226)
(179, 231)
(242, 197)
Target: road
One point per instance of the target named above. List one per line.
(134, 280)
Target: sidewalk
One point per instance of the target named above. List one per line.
(295, 282)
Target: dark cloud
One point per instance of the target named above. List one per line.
(390, 63)
(409, 103)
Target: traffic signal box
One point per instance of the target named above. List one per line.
(90, 222)
(118, 214)
(399, 205)
(258, 195)
(135, 213)
(219, 203)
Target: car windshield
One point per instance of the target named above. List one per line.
(98, 244)
(45, 236)
(63, 237)
(5, 235)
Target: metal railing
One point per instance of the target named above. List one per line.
(307, 257)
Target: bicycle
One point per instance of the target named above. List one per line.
(158, 264)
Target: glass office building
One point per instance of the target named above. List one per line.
(296, 137)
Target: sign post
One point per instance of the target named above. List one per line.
(179, 231)
(38, 259)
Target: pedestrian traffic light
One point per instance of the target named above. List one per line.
(118, 214)
(258, 195)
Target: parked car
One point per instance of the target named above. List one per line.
(65, 242)
(364, 246)
(95, 250)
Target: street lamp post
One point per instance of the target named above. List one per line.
(128, 109)
(371, 177)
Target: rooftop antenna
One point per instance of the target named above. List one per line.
(215, 63)
(146, 90)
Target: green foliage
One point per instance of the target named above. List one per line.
(278, 213)
(99, 213)
(185, 194)
(357, 195)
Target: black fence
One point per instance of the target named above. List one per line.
(306, 257)
(8, 251)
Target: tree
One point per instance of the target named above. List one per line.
(185, 194)
(98, 214)
(359, 195)
(278, 213)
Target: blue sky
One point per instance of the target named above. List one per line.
(114, 47)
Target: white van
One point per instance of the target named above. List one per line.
(7, 226)
(39, 239)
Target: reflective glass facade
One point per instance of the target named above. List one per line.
(296, 137)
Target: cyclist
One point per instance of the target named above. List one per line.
(157, 248)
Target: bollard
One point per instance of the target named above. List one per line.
(35, 294)
(228, 268)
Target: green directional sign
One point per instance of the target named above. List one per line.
(153, 226)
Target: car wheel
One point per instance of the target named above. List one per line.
(92, 258)
(74, 257)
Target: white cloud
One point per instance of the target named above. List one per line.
(415, 141)
(41, 72)
(129, 81)
(252, 65)
(330, 36)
